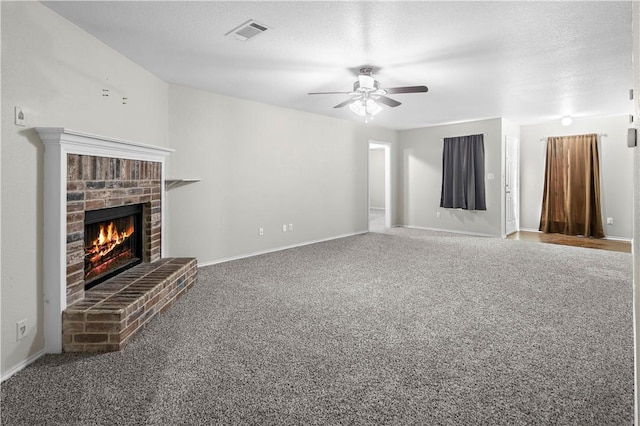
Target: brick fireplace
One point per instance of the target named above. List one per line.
(88, 173)
(96, 183)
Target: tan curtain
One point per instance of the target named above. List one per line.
(571, 199)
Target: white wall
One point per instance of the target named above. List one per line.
(636, 208)
(421, 169)
(616, 170)
(56, 72)
(262, 166)
(376, 178)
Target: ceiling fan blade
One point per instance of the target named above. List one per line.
(387, 101)
(343, 104)
(328, 93)
(408, 89)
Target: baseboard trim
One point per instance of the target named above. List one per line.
(625, 239)
(529, 230)
(22, 365)
(473, 234)
(258, 253)
(607, 237)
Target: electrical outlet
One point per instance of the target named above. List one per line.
(20, 118)
(291, 227)
(261, 231)
(284, 228)
(21, 330)
(437, 214)
(609, 221)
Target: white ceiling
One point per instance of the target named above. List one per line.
(529, 62)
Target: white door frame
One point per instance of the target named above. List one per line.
(514, 171)
(388, 206)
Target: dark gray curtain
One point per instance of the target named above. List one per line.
(463, 173)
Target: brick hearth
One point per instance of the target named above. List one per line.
(112, 312)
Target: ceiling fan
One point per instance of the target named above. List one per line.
(366, 96)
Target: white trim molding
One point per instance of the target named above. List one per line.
(273, 250)
(75, 142)
(58, 143)
(21, 366)
(473, 234)
(607, 237)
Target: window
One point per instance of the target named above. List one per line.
(463, 173)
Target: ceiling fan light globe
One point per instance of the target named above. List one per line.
(365, 108)
(358, 108)
(372, 107)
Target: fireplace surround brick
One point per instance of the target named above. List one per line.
(100, 182)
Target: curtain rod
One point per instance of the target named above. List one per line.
(483, 134)
(602, 135)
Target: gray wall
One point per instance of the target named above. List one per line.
(262, 166)
(616, 170)
(376, 178)
(421, 170)
(46, 70)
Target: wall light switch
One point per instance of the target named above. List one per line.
(491, 176)
(632, 137)
(20, 118)
(284, 228)
(261, 231)
(21, 329)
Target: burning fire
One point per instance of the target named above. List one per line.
(108, 238)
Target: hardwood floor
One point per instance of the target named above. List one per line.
(570, 240)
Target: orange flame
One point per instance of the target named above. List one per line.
(108, 238)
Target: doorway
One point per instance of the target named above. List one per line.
(511, 173)
(379, 186)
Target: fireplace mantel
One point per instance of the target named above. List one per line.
(88, 144)
(59, 143)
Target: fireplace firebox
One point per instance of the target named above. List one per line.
(112, 242)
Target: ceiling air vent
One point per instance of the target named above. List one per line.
(247, 30)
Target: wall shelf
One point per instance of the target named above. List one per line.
(174, 183)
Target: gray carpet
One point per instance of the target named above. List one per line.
(407, 327)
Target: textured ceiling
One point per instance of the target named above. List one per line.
(526, 61)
